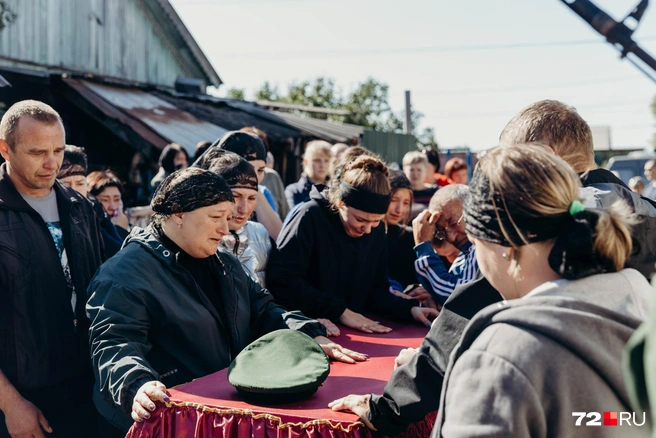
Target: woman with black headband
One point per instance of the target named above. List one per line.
(247, 240)
(251, 148)
(544, 361)
(169, 308)
(331, 260)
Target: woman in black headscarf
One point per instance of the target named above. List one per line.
(169, 308)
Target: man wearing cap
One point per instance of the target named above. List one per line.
(50, 247)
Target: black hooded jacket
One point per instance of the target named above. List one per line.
(319, 269)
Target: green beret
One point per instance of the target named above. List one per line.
(283, 366)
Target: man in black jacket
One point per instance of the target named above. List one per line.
(50, 248)
(414, 388)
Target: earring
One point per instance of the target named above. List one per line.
(505, 256)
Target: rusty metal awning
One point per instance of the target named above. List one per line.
(155, 120)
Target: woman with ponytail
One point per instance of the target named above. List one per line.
(331, 260)
(540, 361)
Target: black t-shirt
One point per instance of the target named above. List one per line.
(424, 196)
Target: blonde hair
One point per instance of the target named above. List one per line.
(557, 125)
(539, 184)
(414, 157)
(366, 172)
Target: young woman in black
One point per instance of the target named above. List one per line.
(331, 260)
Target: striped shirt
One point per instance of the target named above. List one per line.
(434, 276)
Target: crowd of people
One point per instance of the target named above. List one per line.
(532, 277)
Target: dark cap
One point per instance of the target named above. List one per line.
(244, 144)
(295, 366)
(74, 162)
(188, 190)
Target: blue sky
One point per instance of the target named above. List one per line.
(467, 96)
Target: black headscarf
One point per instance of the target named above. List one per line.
(188, 190)
(237, 172)
(245, 144)
(486, 212)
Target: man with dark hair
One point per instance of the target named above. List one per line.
(50, 248)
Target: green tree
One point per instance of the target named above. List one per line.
(320, 93)
(236, 93)
(367, 105)
(267, 92)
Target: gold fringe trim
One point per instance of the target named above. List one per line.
(270, 417)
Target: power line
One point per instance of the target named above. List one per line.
(483, 90)
(409, 50)
(595, 107)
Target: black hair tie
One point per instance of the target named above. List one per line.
(573, 254)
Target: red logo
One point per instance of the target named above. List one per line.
(610, 418)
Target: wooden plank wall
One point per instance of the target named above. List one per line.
(114, 38)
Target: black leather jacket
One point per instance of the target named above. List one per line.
(40, 345)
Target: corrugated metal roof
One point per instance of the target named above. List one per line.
(322, 129)
(339, 132)
(229, 117)
(309, 127)
(165, 119)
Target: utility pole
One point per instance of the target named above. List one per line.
(407, 126)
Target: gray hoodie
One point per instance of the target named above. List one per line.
(522, 367)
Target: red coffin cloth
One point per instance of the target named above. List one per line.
(211, 407)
